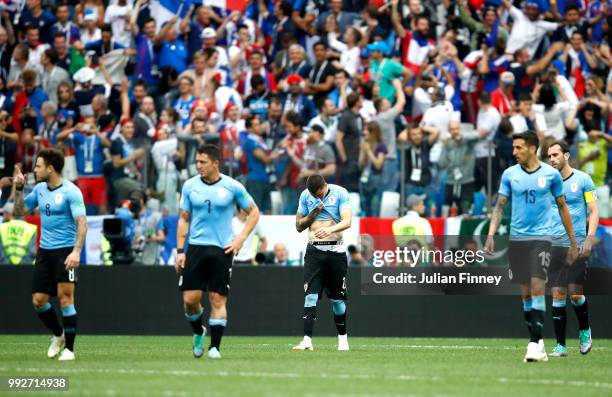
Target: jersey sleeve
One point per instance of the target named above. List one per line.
(303, 205)
(344, 201)
(77, 205)
(504, 186)
(185, 203)
(242, 197)
(590, 192)
(556, 185)
(31, 200)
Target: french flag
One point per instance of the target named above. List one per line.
(416, 49)
(164, 10)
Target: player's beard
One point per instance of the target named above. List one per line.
(41, 178)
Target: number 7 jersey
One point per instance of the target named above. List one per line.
(531, 194)
(212, 208)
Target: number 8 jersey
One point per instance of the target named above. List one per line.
(58, 209)
(532, 194)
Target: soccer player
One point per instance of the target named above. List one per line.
(581, 198)
(531, 186)
(64, 227)
(326, 210)
(207, 205)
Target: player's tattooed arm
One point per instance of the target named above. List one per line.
(566, 218)
(81, 222)
(19, 209)
(303, 222)
(498, 214)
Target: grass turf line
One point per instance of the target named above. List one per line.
(151, 366)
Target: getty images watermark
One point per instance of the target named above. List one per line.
(455, 264)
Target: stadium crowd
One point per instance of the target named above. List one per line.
(295, 87)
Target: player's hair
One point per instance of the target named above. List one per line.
(314, 183)
(530, 137)
(565, 148)
(212, 151)
(53, 157)
(294, 118)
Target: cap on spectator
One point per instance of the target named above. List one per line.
(294, 79)
(209, 33)
(507, 77)
(364, 53)
(414, 199)
(534, 4)
(84, 75)
(89, 15)
(378, 46)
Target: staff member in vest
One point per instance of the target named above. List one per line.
(17, 239)
(412, 227)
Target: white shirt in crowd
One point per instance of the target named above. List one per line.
(438, 116)
(349, 58)
(421, 101)
(116, 16)
(329, 129)
(527, 33)
(487, 120)
(249, 248)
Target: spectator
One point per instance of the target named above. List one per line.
(579, 63)
(31, 96)
(281, 255)
(344, 18)
(418, 174)
(147, 59)
(297, 64)
(416, 44)
(172, 50)
(297, 101)
(124, 155)
(319, 157)
(139, 91)
(488, 31)
(524, 70)
(372, 161)
(274, 128)
(52, 75)
(259, 100)
(255, 243)
(184, 103)
(256, 67)
(164, 152)
(350, 126)
(116, 15)
(37, 48)
(528, 29)
(438, 116)
(384, 71)
(412, 227)
(293, 144)
(526, 119)
(106, 44)
(572, 25)
(63, 25)
(503, 144)
(209, 40)
(48, 129)
(90, 31)
(348, 49)
(89, 146)
(64, 61)
(487, 124)
(8, 150)
(502, 98)
(385, 118)
(17, 239)
(145, 119)
(593, 154)
(326, 120)
(284, 25)
(35, 16)
(260, 163)
(370, 92)
(19, 63)
(340, 89)
(321, 75)
(553, 111)
(458, 159)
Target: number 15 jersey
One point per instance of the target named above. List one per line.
(212, 209)
(530, 193)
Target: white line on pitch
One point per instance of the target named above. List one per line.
(559, 382)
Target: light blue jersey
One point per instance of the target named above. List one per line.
(579, 190)
(531, 194)
(212, 209)
(58, 210)
(336, 200)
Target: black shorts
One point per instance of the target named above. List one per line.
(207, 268)
(49, 269)
(528, 259)
(562, 274)
(325, 270)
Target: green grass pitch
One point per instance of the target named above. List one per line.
(149, 366)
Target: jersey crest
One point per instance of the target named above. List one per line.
(574, 187)
(542, 182)
(58, 198)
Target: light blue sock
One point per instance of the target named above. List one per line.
(579, 302)
(68, 311)
(338, 307)
(311, 300)
(538, 302)
(43, 308)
